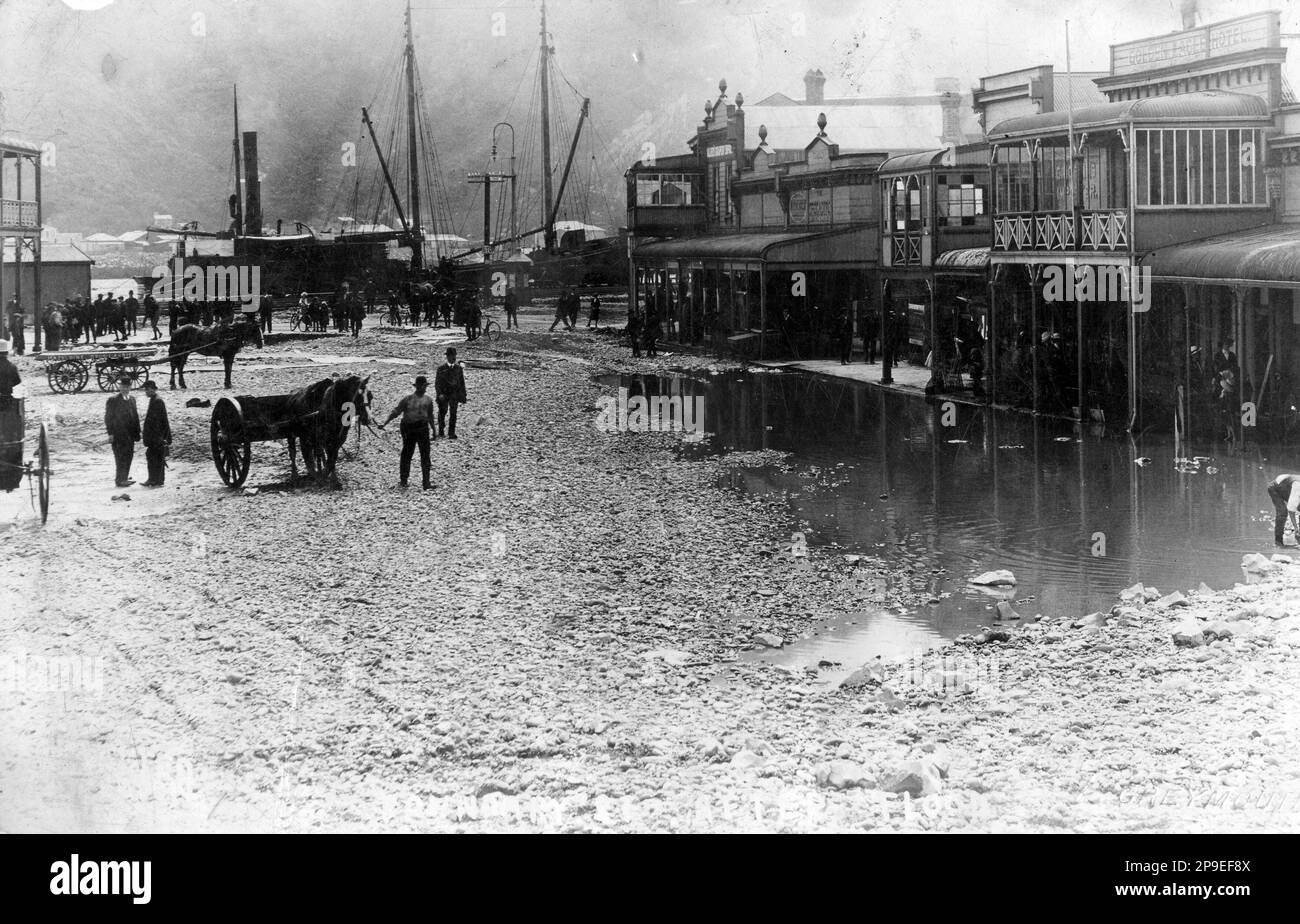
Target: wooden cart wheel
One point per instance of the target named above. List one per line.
(138, 372)
(106, 374)
(43, 474)
(67, 376)
(230, 444)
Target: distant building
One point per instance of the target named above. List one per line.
(65, 271)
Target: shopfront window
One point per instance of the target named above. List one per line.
(960, 200)
(908, 204)
(1054, 179)
(1199, 167)
(665, 189)
(1013, 183)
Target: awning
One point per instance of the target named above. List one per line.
(1213, 105)
(968, 260)
(1267, 256)
(847, 245)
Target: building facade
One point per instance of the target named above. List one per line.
(20, 223)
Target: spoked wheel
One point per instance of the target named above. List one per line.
(137, 371)
(43, 475)
(67, 376)
(106, 375)
(492, 331)
(230, 444)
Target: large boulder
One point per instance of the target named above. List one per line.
(994, 578)
(1189, 635)
(917, 777)
(843, 774)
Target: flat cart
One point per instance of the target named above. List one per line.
(69, 371)
(13, 468)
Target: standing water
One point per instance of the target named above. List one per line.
(943, 492)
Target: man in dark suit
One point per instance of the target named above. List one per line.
(449, 385)
(122, 422)
(157, 436)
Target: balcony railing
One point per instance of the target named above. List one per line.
(1104, 230)
(18, 213)
(907, 250)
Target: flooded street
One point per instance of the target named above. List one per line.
(943, 493)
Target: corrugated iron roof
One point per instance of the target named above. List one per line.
(51, 253)
(1266, 255)
(730, 246)
(967, 258)
(1206, 104)
(14, 143)
(1079, 89)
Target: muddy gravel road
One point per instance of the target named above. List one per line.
(551, 641)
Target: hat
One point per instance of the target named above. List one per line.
(421, 380)
(124, 378)
(150, 383)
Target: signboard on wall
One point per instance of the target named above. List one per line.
(819, 206)
(811, 207)
(1259, 30)
(799, 207)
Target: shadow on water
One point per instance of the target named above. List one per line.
(941, 493)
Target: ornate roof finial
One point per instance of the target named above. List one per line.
(740, 100)
(821, 123)
(722, 86)
(708, 109)
(762, 134)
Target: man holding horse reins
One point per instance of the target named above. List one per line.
(417, 417)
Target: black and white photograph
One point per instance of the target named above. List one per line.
(675, 416)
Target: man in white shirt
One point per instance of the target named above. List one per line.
(1284, 491)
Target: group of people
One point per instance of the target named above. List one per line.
(416, 411)
(644, 328)
(567, 308)
(1216, 387)
(122, 421)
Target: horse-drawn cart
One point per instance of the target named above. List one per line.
(69, 371)
(13, 429)
(317, 418)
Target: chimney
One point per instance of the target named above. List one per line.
(252, 188)
(814, 87)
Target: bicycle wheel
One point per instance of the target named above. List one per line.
(492, 331)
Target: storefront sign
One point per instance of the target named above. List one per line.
(713, 152)
(1283, 157)
(810, 207)
(1257, 31)
(819, 206)
(799, 207)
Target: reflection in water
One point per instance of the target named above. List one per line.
(949, 491)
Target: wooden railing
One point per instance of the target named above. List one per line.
(1104, 230)
(907, 250)
(18, 213)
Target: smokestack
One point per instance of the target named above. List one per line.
(814, 87)
(252, 189)
(1188, 9)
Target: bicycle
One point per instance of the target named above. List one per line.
(489, 328)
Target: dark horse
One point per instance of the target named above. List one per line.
(222, 339)
(319, 418)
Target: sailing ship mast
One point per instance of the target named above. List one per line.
(417, 239)
(546, 138)
(238, 212)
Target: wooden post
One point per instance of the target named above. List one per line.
(38, 309)
(1033, 331)
(886, 335)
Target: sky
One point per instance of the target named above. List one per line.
(137, 93)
